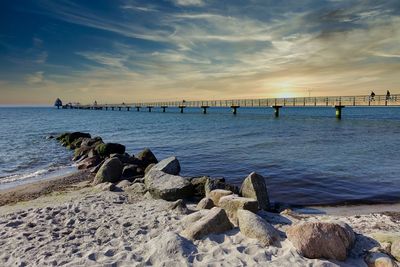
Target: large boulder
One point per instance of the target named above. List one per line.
(107, 149)
(146, 157)
(395, 248)
(254, 187)
(192, 218)
(169, 165)
(110, 171)
(328, 240)
(82, 152)
(216, 194)
(253, 226)
(124, 158)
(66, 139)
(205, 203)
(167, 186)
(215, 221)
(168, 249)
(232, 203)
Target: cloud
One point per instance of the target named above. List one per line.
(37, 77)
(189, 2)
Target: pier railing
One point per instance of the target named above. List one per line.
(362, 100)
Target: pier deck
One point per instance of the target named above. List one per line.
(338, 102)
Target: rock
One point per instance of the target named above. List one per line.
(192, 218)
(232, 203)
(253, 226)
(110, 171)
(107, 149)
(137, 188)
(379, 259)
(92, 142)
(124, 158)
(66, 139)
(254, 187)
(148, 168)
(198, 184)
(179, 206)
(205, 203)
(216, 194)
(105, 186)
(326, 240)
(167, 186)
(139, 180)
(89, 162)
(212, 184)
(123, 184)
(215, 221)
(168, 249)
(169, 165)
(219, 183)
(395, 249)
(97, 168)
(129, 171)
(147, 157)
(81, 152)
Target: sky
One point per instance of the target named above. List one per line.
(134, 50)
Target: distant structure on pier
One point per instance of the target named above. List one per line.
(58, 103)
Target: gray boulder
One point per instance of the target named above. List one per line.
(110, 171)
(215, 221)
(89, 162)
(379, 259)
(253, 226)
(328, 240)
(167, 186)
(254, 187)
(169, 165)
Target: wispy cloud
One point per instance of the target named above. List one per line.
(35, 78)
(189, 2)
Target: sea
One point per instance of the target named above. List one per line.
(307, 156)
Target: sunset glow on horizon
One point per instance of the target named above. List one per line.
(136, 50)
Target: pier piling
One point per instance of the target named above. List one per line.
(276, 110)
(181, 108)
(339, 111)
(163, 108)
(204, 109)
(149, 107)
(234, 109)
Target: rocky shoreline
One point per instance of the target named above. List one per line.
(137, 210)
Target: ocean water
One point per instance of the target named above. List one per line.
(307, 155)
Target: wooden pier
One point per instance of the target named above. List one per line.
(337, 102)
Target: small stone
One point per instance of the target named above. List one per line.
(123, 184)
(105, 187)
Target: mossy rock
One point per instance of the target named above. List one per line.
(105, 150)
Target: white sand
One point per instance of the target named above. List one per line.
(92, 228)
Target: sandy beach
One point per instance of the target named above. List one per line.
(83, 225)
